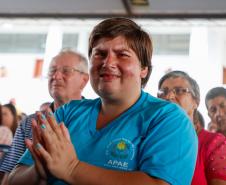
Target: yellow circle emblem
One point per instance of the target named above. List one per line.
(121, 145)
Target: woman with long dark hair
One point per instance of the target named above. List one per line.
(9, 117)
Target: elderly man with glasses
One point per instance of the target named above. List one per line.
(67, 77)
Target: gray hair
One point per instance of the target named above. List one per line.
(182, 74)
(83, 62)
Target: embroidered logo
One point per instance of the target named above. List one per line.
(119, 153)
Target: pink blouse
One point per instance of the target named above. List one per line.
(211, 159)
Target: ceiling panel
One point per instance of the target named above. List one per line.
(100, 8)
(62, 7)
(187, 6)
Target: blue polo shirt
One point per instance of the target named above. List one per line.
(153, 136)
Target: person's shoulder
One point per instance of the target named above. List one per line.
(24, 123)
(211, 141)
(161, 105)
(83, 101)
(80, 103)
(210, 136)
(76, 106)
(154, 100)
(31, 116)
(165, 113)
(213, 149)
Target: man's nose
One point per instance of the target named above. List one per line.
(57, 74)
(220, 112)
(110, 59)
(170, 95)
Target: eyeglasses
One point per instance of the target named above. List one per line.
(178, 91)
(66, 70)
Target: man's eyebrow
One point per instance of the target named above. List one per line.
(99, 49)
(122, 49)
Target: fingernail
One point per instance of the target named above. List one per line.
(38, 145)
(43, 116)
(50, 113)
(43, 126)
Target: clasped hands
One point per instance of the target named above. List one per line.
(51, 147)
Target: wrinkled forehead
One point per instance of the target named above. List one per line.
(117, 42)
(64, 60)
(175, 81)
(217, 101)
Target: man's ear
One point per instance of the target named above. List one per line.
(85, 80)
(144, 72)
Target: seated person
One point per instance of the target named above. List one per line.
(9, 117)
(125, 136)
(180, 88)
(6, 138)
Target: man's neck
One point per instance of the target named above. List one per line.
(111, 109)
(58, 103)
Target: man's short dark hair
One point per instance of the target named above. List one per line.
(137, 39)
(215, 92)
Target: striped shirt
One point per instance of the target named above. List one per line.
(18, 147)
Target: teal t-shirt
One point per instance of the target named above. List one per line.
(153, 136)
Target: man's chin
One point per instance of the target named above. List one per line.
(221, 123)
(107, 90)
(56, 94)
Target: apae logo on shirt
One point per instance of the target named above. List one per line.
(119, 153)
